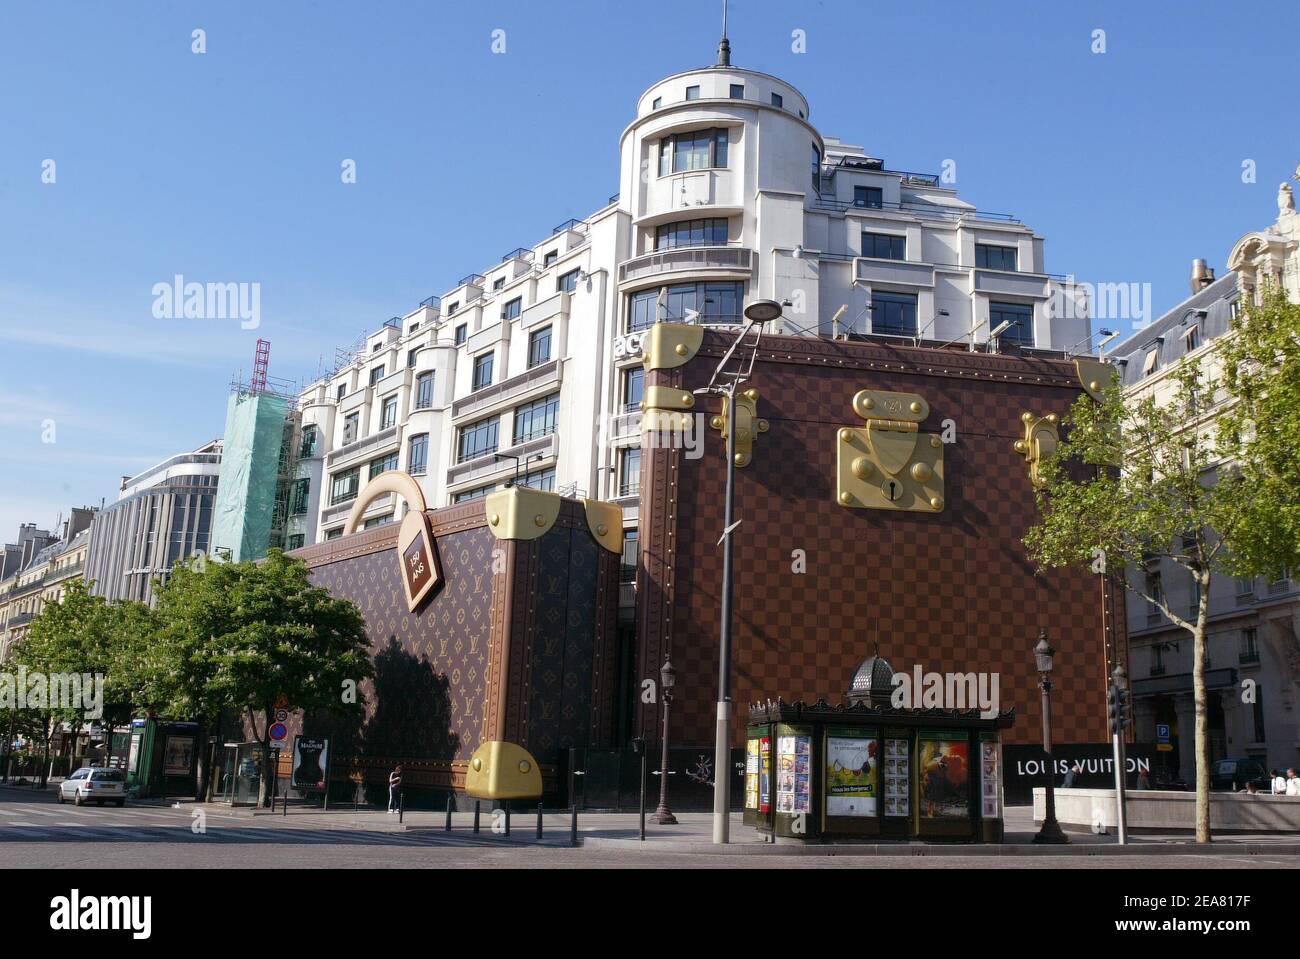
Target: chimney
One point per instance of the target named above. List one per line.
(1202, 275)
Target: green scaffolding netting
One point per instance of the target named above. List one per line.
(250, 463)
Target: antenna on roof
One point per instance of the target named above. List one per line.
(724, 47)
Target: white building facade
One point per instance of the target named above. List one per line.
(728, 193)
(1253, 632)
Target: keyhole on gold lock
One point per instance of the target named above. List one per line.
(893, 489)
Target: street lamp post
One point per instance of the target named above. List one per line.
(663, 815)
(1043, 653)
(757, 313)
(1119, 679)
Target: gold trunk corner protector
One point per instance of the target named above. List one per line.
(669, 345)
(665, 409)
(1039, 441)
(520, 512)
(605, 520)
(1094, 375)
(748, 424)
(888, 463)
(500, 770)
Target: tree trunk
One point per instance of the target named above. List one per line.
(264, 737)
(1200, 701)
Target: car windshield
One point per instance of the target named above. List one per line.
(108, 775)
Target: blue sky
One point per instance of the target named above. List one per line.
(225, 166)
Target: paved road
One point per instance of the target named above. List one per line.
(35, 831)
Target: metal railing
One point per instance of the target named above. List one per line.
(487, 464)
(357, 447)
(683, 259)
(506, 389)
(432, 302)
(932, 210)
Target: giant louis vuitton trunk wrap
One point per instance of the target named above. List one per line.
(835, 554)
(516, 643)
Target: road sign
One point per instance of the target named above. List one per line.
(279, 731)
(282, 715)
(1163, 743)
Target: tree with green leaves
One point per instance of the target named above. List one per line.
(1140, 480)
(239, 636)
(1261, 361)
(82, 634)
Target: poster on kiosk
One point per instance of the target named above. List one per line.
(310, 763)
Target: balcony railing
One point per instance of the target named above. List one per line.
(344, 453)
(928, 210)
(507, 388)
(488, 464)
(1249, 656)
(688, 259)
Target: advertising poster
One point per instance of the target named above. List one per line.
(852, 774)
(765, 774)
(989, 799)
(751, 773)
(898, 778)
(942, 768)
(178, 757)
(310, 763)
(793, 774)
(134, 755)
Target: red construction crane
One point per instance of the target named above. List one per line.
(261, 362)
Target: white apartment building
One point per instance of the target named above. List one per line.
(727, 193)
(1253, 631)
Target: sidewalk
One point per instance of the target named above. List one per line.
(694, 831)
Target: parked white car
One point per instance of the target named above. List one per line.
(94, 785)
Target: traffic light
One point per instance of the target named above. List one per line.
(1119, 713)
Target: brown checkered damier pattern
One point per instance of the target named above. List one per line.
(952, 591)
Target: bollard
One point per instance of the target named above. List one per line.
(539, 820)
(450, 802)
(643, 762)
(507, 817)
(476, 807)
(401, 806)
(286, 802)
(573, 825)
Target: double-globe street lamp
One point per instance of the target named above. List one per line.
(667, 677)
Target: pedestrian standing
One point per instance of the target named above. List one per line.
(1292, 783)
(395, 788)
(1279, 783)
(1072, 776)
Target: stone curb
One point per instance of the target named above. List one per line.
(909, 849)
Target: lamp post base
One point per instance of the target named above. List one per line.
(1051, 833)
(664, 817)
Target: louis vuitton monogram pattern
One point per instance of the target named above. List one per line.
(452, 632)
(517, 643)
